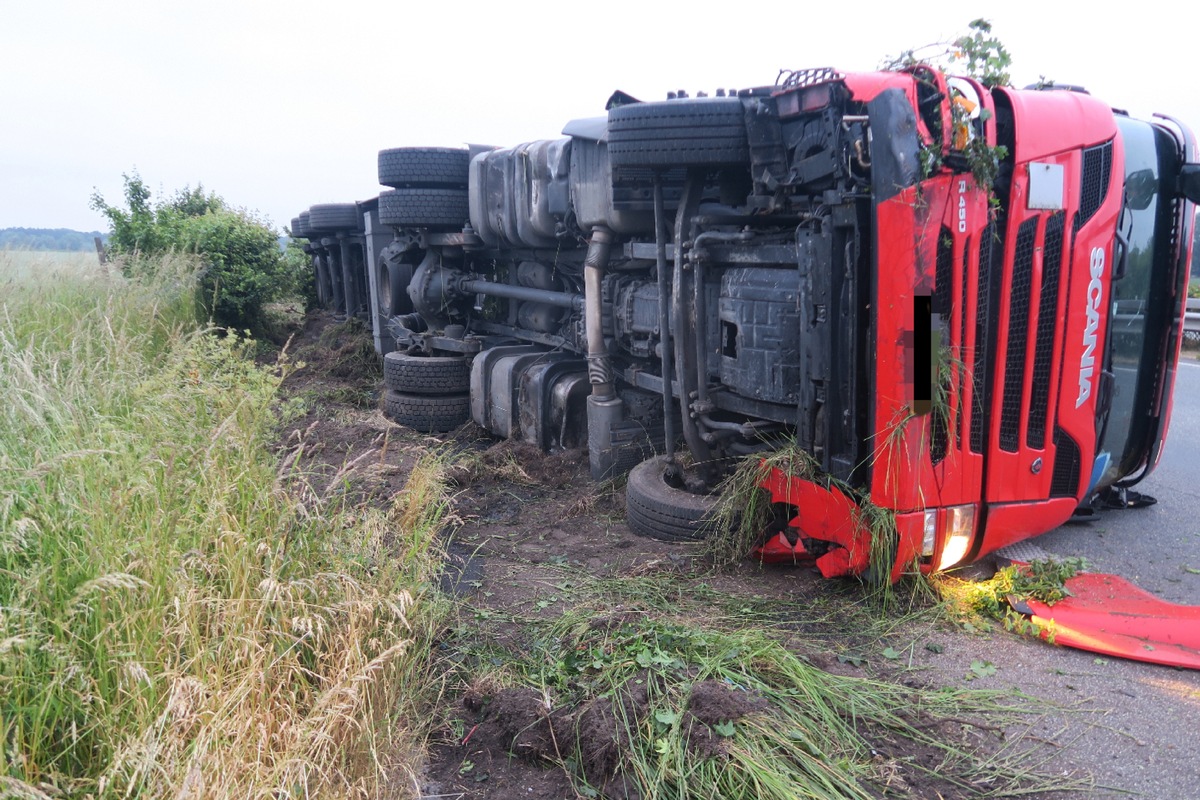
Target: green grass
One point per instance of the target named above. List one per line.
(178, 612)
(641, 652)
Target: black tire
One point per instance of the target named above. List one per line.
(304, 229)
(424, 208)
(295, 229)
(678, 133)
(334, 217)
(655, 509)
(428, 414)
(427, 374)
(424, 168)
(392, 279)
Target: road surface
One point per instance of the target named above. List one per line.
(1153, 547)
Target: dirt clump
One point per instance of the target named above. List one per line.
(710, 705)
(525, 724)
(594, 734)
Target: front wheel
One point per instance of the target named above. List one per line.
(656, 509)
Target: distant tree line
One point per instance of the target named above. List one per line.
(62, 239)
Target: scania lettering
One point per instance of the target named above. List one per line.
(1095, 294)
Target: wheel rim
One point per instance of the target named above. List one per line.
(383, 287)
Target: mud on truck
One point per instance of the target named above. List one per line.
(963, 303)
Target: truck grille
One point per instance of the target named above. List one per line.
(1065, 481)
(1018, 326)
(1097, 175)
(941, 306)
(989, 245)
(1047, 323)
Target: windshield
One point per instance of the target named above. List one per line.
(1142, 298)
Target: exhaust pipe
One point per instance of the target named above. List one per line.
(605, 410)
(600, 373)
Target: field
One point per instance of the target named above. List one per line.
(180, 612)
(20, 264)
(224, 573)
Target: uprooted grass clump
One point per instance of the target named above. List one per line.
(991, 600)
(745, 511)
(178, 617)
(636, 705)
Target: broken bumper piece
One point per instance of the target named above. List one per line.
(1109, 615)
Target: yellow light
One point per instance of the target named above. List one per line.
(958, 528)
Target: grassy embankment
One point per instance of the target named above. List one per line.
(179, 614)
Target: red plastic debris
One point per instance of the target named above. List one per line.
(778, 550)
(1108, 614)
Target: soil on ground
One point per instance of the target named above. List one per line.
(522, 523)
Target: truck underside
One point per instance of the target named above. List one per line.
(963, 304)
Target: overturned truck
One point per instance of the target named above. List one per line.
(963, 303)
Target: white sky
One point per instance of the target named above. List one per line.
(279, 105)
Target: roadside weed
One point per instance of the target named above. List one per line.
(176, 615)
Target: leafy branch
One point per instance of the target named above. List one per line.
(977, 54)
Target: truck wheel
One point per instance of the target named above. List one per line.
(424, 208)
(678, 133)
(424, 168)
(658, 510)
(304, 230)
(432, 375)
(393, 278)
(334, 217)
(428, 414)
(294, 229)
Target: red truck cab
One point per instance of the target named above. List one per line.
(1057, 293)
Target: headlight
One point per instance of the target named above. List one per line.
(958, 529)
(929, 540)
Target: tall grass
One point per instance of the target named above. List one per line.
(179, 615)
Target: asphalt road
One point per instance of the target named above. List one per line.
(1134, 724)
(1153, 547)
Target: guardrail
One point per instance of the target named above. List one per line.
(1191, 320)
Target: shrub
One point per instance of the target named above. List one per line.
(297, 278)
(243, 267)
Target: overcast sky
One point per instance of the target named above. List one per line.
(279, 105)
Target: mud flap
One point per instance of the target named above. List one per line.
(1107, 614)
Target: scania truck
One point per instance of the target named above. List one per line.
(964, 303)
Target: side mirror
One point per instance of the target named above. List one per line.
(1188, 184)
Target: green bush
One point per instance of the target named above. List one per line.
(243, 266)
(298, 279)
